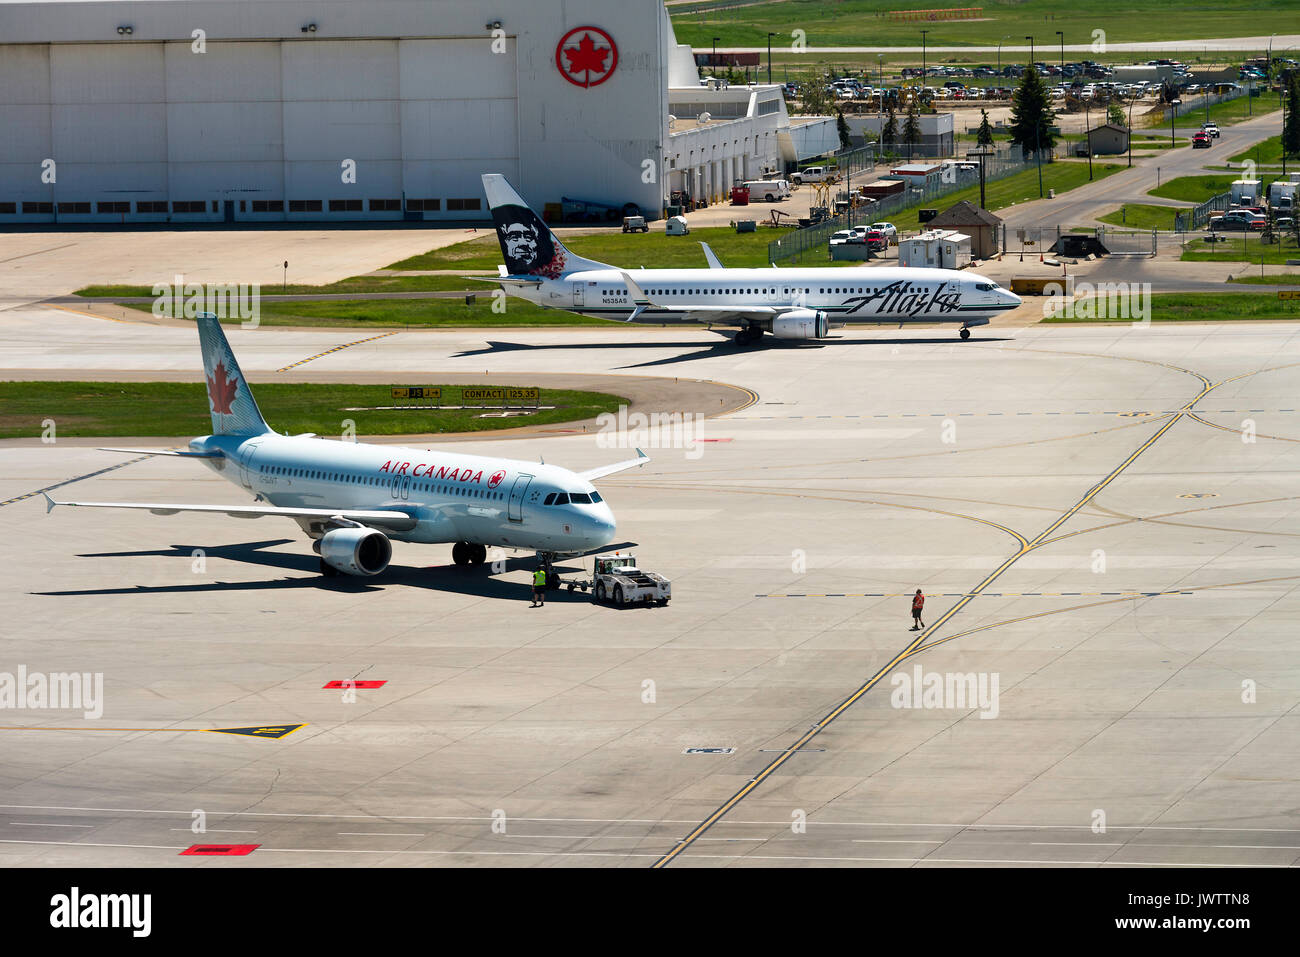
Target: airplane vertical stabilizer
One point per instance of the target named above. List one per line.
(528, 245)
(230, 400)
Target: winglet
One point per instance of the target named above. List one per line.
(640, 300)
(714, 261)
(49, 504)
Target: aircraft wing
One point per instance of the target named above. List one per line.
(724, 315)
(714, 261)
(592, 474)
(396, 520)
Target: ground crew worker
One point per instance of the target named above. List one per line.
(539, 587)
(918, 603)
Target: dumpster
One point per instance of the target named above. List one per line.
(740, 196)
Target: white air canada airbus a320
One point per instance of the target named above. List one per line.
(352, 498)
(788, 303)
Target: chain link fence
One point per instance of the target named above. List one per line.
(812, 241)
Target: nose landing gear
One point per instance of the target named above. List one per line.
(965, 333)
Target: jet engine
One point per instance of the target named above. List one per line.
(801, 324)
(356, 551)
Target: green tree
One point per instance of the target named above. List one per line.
(889, 132)
(813, 99)
(1115, 114)
(984, 136)
(1032, 115)
(1291, 128)
(911, 129)
(842, 127)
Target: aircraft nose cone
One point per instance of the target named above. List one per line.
(601, 524)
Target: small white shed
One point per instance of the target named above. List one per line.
(936, 249)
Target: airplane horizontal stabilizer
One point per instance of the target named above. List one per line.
(215, 454)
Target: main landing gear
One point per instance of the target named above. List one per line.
(748, 336)
(464, 553)
(965, 333)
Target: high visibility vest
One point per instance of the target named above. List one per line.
(539, 578)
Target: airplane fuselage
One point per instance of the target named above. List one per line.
(845, 294)
(452, 498)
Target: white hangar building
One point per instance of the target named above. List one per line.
(333, 110)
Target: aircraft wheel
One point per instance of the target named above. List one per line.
(477, 554)
(552, 579)
(460, 553)
(965, 333)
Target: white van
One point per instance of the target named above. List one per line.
(772, 190)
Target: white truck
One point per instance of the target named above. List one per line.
(618, 580)
(772, 190)
(812, 174)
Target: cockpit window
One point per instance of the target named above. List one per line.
(562, 498)
(549, 500)
(595, 497)
(580, 498)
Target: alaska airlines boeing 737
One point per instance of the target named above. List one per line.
(352, 498)
(788, 303)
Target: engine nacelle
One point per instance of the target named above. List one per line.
(356, 551)
(801, 324)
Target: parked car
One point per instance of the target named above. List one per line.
(889, 230)
(1237, 220)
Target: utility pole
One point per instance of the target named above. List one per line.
(713, 61)
(1031, 50)
(1007, 37)
(1131, 101)
(1087, 131)
(769, 57)
(1062, 36)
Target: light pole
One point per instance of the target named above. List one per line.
(1173, 113)
(1031, 50)
(880, 84)
(923, 33)
(1061, 34)
(1087, 131)
(1131, 101)
(982, 152)
(1007, 37)
(713, 61)
(769, 57)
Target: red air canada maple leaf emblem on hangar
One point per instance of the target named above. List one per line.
(220, 391)
(586, 56)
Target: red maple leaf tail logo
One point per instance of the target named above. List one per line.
(585, 57)
(220, 391)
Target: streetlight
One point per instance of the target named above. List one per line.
(1062, 36)
(1031, 50)
(923, 33)
(1173, 113)
(880, 84)
(1007, 37)
(769, 57)
(713, 61)
(1087, 131)
(1131, 101)
(980, 154)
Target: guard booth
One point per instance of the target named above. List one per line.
(935, 249)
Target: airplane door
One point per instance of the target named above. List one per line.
(401, 486)
(578, 295)
(246, 461)
(517, 492)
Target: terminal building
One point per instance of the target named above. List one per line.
(203, 111)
